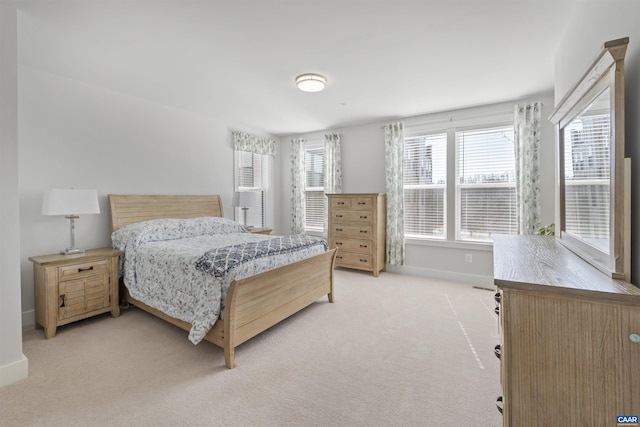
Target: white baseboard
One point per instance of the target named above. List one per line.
(472, 279)
(14, 372)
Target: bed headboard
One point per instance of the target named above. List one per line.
(129, 208)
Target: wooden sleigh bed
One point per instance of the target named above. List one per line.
(253, 304)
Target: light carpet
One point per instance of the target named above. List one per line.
(395, 350)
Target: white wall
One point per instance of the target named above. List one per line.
(363, 172)
(592, 24)
(13, 364)
(73, 134)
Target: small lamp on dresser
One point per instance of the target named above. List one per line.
(70, 202)
(245, 200)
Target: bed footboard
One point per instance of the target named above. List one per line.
(258, 302)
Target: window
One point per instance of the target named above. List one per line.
(251, 174)
(459, 183)
(485, 184)
(425, 178)
(315, 200)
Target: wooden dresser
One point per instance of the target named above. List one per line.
(357, 227)
(570, 337)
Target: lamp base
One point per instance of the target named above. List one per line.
(72, 251)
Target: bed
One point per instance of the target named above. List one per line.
(251, 304)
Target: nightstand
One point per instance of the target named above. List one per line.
(74, 287)
(261, 230)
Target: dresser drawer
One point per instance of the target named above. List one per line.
(339, 203)
(352, 230)
(362, 203)
(353, 216)
(350, 245)
(351, 260)
(77, 271)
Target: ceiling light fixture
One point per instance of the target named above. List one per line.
(311, 82)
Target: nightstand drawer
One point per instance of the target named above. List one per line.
(349, 245)
(77, 271)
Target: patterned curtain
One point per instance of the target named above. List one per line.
(254, 144)
(527, 121)
(394, 156)
(297, 185)
(332, 169)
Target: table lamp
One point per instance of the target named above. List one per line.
(70, 202)
(245, 200)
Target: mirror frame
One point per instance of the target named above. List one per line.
(607, 70)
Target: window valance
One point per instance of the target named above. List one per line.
(243, 141)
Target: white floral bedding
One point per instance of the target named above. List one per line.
(159, 265)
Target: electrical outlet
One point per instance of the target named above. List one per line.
(468, 258)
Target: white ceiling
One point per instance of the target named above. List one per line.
(235, 61)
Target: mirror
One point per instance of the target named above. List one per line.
(593, 217)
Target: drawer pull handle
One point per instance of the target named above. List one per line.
(338, 216)
(363, 260)
(338, 229)
(497, 310)
(80, 270)
(363, 231)
(338, 256)
(499, 404)
(338, 243)
(62, 299)
(364, 246)
(341, 203)
(362, 203)
(497, 351)
(497, 297)
(363, 217)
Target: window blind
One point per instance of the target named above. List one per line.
(315, 201)
(485, 183)
(251, 174)
(587, 175)
(424, 186)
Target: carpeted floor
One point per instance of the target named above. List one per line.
(391, 351)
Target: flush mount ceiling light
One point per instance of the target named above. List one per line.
(310, 82)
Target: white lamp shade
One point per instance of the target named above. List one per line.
(245, 199)
(70, 201)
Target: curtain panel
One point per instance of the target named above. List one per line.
(254, 144)
(332, 170)
(394, 173)
(297, 186)
(527, 122)
(332, 163)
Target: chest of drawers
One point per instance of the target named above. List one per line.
(357, 228)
